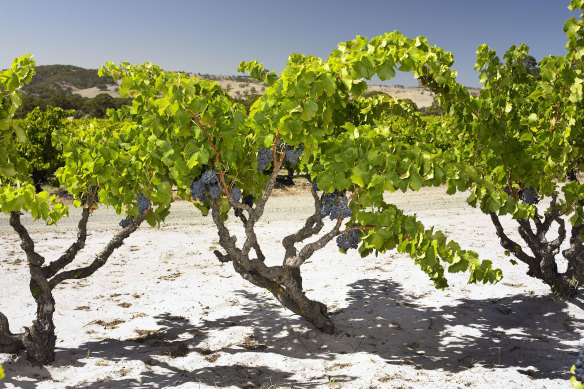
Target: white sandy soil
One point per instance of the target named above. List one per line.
(165, 313)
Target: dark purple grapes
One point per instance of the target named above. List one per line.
(125, 222)
(292, 154)
(529, 196)
(247, 200)
(334, 205)
(265, 157)
(143, 203)
(206, 183)
(348, 240)
(214, 191)
(314, 185)
(236, 194)
(198, 191)
(92, 191)
(209, 177)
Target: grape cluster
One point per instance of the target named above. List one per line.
(506, 190)
(529, 196)
(314, 185)
(84, 196)
(236, 194)
(125, 222)
(214, 191)
(198, 191)
(143, 202)
(571, 175)
(292, 154)
(348, 240)
(579, 366)
(265, 156)
(334, 205)
(209, 177)
(247, 200)
(208, 182)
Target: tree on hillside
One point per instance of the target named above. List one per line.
(84, 107)
(374, 93)
(435, 109)
(248, 101)
(98, 106)
(531, 65)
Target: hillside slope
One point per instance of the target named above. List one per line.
(65, 79)
(68, 79)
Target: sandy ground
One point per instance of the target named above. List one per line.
(165, 313)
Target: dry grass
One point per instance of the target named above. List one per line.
(212, 358)
(147, 335)
(251, 343)
(109, 325)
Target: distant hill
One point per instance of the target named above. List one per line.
(65, 79)
(69, 80)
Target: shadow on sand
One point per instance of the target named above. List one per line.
(523, 332)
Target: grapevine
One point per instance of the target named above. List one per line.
(310, 121)
(523, 134)
(98, 170)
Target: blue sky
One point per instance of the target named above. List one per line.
(214, 36)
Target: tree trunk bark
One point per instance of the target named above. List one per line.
(287, 289)
(284, 282)
(542, 262)
(40, 339)
(9, 343)
(313, 311)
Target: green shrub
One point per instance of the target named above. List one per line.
(38, 148)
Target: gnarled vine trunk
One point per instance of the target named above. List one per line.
(285, 281)
(39, 339)
(286, 287)
(9, 343)
(542, 263)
